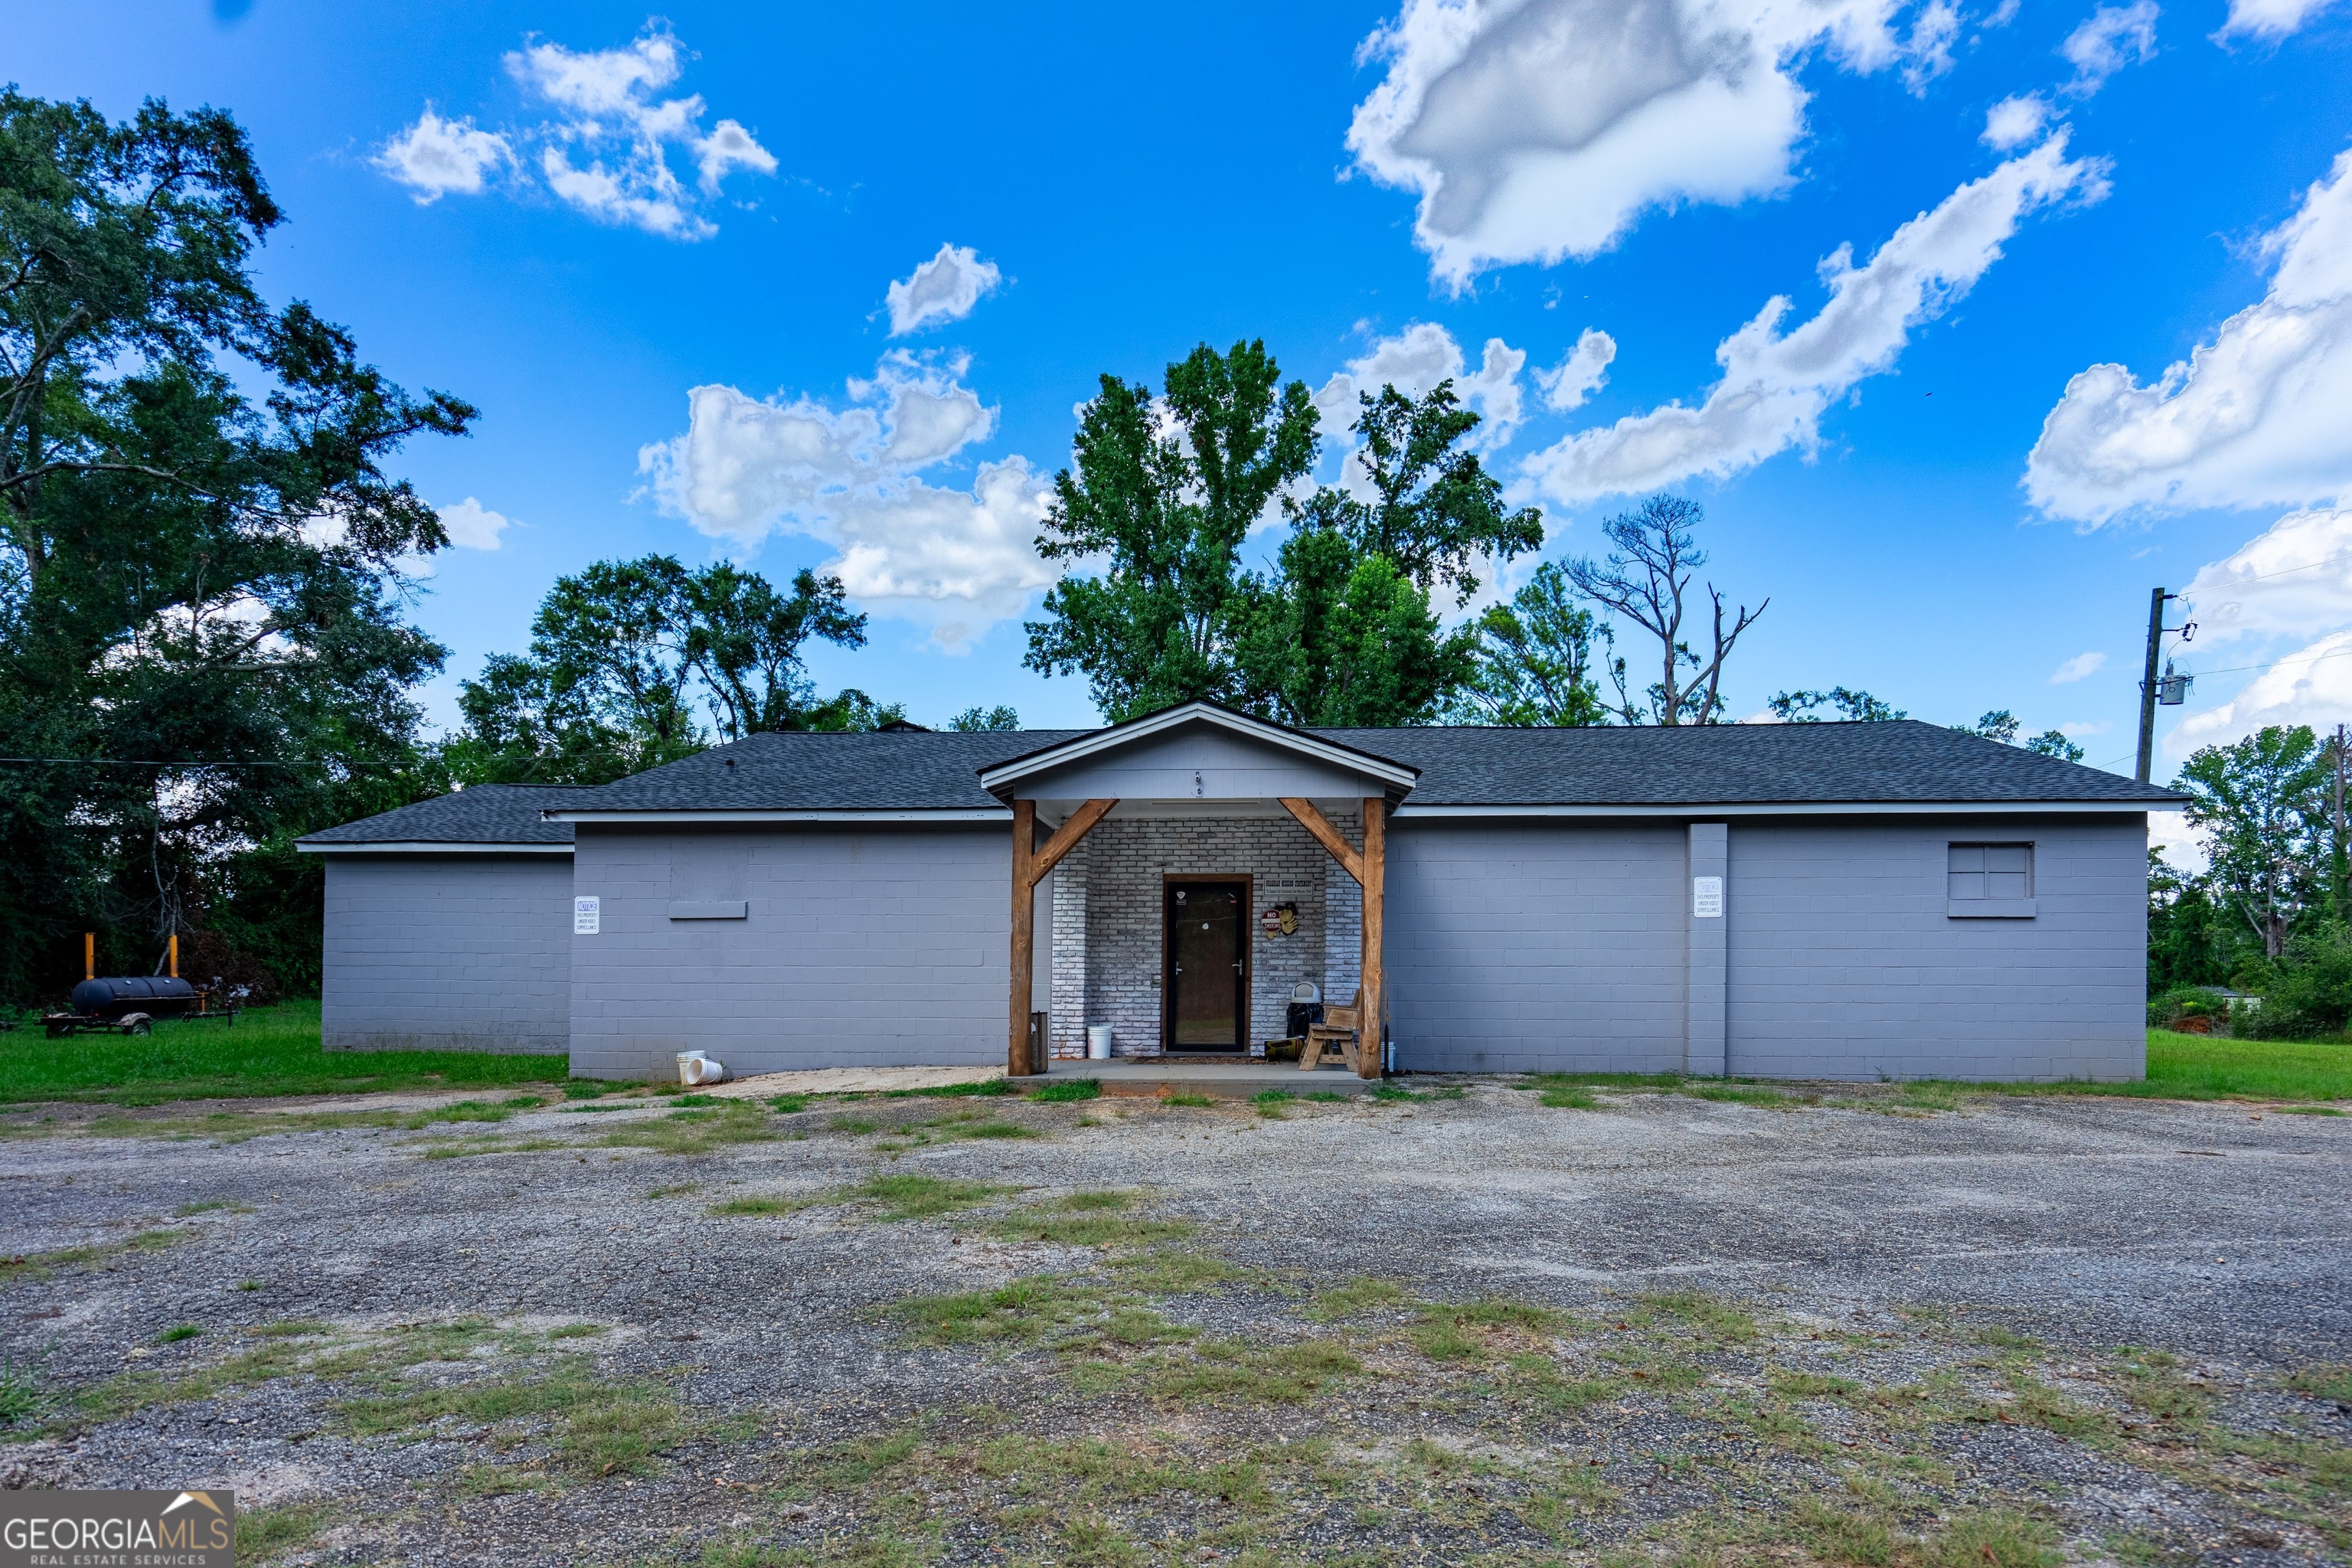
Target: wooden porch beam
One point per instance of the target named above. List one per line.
(1065, 837)
(1316, 823)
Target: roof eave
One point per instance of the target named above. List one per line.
(998, 778)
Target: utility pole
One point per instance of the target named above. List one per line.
(2336, 854)
(2148, 684)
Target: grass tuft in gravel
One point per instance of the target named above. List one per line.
(1069, 1089)
(924, 1197)
(696, 1132)
(266, 1534)
(598, 1426)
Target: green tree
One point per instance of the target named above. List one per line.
(1534, 660)
(2259, 806)
(1645, 579)
(1164, 491)
(1434, 509)
(2189, 939)
(1339, 638)
(997, 718)
(201, 605)
(1852, 706)
(629, 657)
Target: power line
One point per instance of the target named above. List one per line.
(2289, 571)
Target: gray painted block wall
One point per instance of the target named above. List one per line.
(1536, 946)
(453, 952)
(1565, 946)
(1844, 963)
(859, 947)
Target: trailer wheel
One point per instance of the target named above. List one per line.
(137, 1023)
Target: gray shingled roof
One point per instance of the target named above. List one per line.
(486, 814)
(1899, 761)
(1733, 764)
(864, 770)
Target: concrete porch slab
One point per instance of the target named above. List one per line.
(1217, 1079)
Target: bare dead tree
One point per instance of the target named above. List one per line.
(1645, 580)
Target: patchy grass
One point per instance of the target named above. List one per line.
(1198, 1101)
(598, 1426)
(1069, 1089)
(990, 1089)
(264, 1534)
(265, 1052)
(31, 1266)
(923, 1197)
(696, 1131)
(179, 1332)
(1272, 1103)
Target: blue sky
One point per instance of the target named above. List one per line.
(578, 216)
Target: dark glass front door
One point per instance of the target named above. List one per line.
(1207, 925)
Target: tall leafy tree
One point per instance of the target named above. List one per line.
(1339, 637)
(1645, 579)
(2002, 725)
(201, 633)
(628, 659)
(1163, 491)
(1850, 705)
(2261, 808)
(1428, 503)
(1538, 658)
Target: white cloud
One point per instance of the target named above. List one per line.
(1776, 387)
(2015, 121)
(2269, 18)
(1414, 362)
(2114, 37)
(2082, 666)
(1535, 130)
(1929, 48)
(944, 288)
(2311, 686)
(2294, 580)
(608, 152)
(955, 560)
(2169, 832)
(436, 157)
(1567, 384)
(2254, 417)
(473, 526)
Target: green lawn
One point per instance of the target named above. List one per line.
(2179, 1066)
(275, 1051)
(267, 1051)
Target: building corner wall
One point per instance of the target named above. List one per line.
(1706, 901)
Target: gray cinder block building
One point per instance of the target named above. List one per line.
(1819, 901)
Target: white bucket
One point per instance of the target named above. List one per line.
(695, 1067)
(1098, 1042)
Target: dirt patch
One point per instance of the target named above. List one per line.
(1486, 1328)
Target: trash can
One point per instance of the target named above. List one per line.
(1098, 1042)
(1304, 1016)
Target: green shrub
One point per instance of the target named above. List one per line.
(2166, 1009)
(2309, 992)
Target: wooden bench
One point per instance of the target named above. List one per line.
(1338, 1034)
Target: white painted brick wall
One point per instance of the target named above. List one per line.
(1107, 923)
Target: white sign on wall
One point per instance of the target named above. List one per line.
(587, 916)
(1707, 897)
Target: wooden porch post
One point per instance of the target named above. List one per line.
(1024, 934)
(1031, 862)
(1369, 1053)
(1369, 867)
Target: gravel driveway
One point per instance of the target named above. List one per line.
(1466, 1326)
